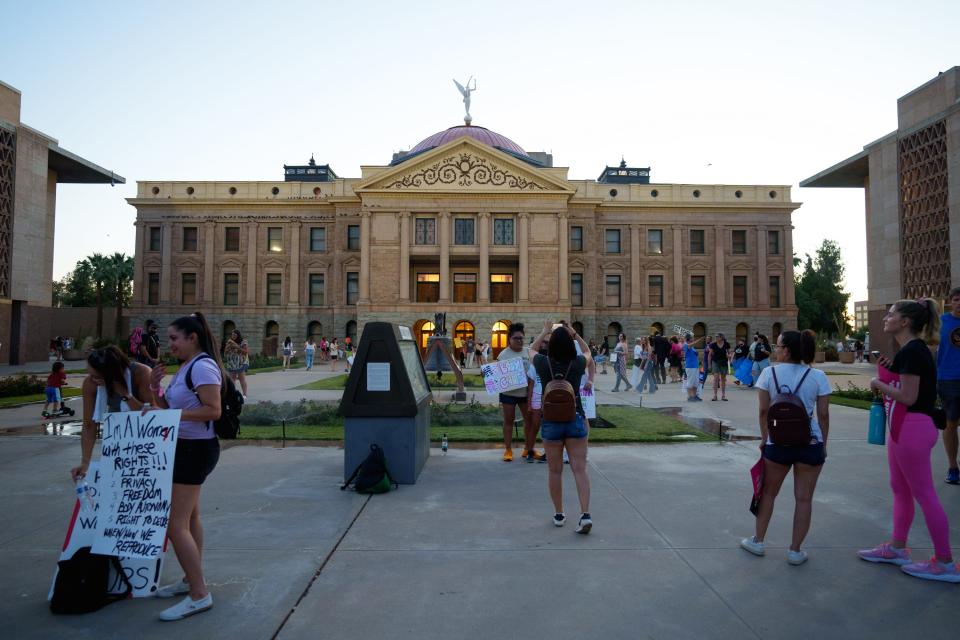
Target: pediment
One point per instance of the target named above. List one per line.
(464, 165)
(578, 262)
(231, 262)
(274, 263)
(698, 265)
(612, 265)
(316, 264)
(352, 261)
(152, 262)
(656, 266)
(776, 267)
(741, 266)
(189, 262)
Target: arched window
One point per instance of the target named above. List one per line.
(578, 327)
(655, 328)
(271, 333)
(271, 329)
(699, 331)
(743, 331)
(775, 332)
(423, 329)
(614, 329)
(499, 337)
(315, 330)
(464, 330)
(351, 331)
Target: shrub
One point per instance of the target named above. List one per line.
(21, 385)
(830, 353)
(854, 392)
(260, 361)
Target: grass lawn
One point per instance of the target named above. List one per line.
(15, 401)
(632, 425)
(850, 402)
(448, 381)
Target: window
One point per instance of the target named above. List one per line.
(698, 291)
(425, 231)
(465, 287)
(503, 231)
(740, 291)
(463, 231)
(231, 289)
(154, 239)
(353, 287)
(612, 291)
(316, 289)
(739, 241)
(501, 288)
(773, 243)
(275, 239)
(611, 240)
(318, 238)
(576, 289)
(774, 291)
(189, 238)
(697, 242)
(428, 287)
(231, 239)
(576, 238)
(655, 291)
(655, 241)
(274, 289)
(153, 288)
(188, 288)
(353, 237)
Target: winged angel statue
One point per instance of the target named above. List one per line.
(465, 91)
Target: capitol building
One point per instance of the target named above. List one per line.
(469, 223)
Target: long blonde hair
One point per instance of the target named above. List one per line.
(924, 317)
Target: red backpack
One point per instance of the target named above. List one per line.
(787, 419)
(559, 400)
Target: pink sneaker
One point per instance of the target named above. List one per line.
(886, 553)
(933, 570)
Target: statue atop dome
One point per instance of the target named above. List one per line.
(465, 91)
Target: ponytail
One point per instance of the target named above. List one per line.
(924, 317)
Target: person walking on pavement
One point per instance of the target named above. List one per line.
(948, 381)
(648, 375)
(661, 348)
(691, 364)
(603, 354)
(720, 365)
(619, 356)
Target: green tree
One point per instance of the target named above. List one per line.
(121, 277)
(821, 301)
(76, 288)
(101, 270)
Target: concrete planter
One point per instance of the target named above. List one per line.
(820, 356)
(846, 357)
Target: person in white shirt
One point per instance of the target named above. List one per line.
(794, 352)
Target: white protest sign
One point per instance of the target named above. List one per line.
(504, 375)
(536, 400)
(589, 402)
(681, 331)
(144, 575)
(137, 467)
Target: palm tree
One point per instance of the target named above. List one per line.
(121, 276)
(100, 271)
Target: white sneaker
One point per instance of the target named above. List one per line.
(559, 519)
(187, 607)
(796, 558)
(178, 588)
(751, 545)
(584, 524)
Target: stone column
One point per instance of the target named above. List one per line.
(166, 263)
(209, 242)
(678, 273)
(763, 284)
(636, 286)
(524, 288)
(564, 262)
(404, 256)
(293, 297)
(483, 285)
(720, 281)
(790, 298)
(364, 257)
(443, 237)
(251, 298)
(139, 296)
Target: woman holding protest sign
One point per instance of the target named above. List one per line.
(198, 451)
(113, 383)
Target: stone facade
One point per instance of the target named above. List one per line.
(456, 217)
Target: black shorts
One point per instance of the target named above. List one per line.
(949, 391)
(812, 454)
(195, 460)
(505, 399)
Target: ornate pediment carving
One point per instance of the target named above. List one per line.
(466, 170)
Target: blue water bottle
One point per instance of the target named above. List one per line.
(877, 434)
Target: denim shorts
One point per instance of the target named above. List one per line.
(949, 391)
(812, 454)
(52, 393)
(558, 431)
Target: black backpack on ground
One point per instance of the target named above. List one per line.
(83, 583)
(787, 419)
(227, 426)
(371, 475)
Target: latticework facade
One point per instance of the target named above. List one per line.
(924, 213)
(7, 155)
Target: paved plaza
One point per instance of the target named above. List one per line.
(470, 550)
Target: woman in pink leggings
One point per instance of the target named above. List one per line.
(909, 384)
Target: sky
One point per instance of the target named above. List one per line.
(703, 92)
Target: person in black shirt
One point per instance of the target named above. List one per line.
(149, 351)
(909, 383)
(720, 365)
(661, 347)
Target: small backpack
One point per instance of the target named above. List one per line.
(371, 475)
(787, 419)
(83, 583)
(227, 426)
(559, 400)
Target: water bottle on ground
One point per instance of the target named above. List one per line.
(444, 445)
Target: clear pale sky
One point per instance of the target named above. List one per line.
(704, 92)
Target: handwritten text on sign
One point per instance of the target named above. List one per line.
(504, 375)
(137, 466)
